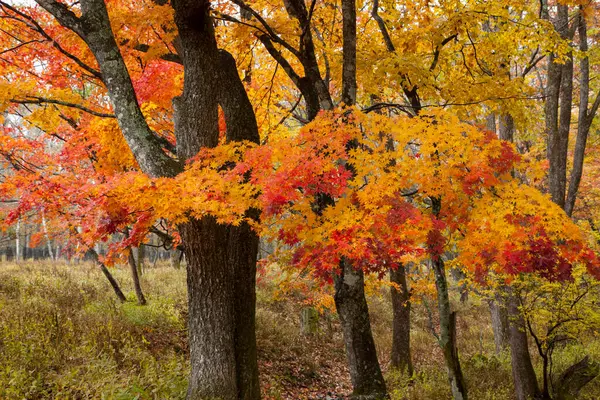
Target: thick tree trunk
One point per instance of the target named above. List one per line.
(447, 335)
(401, 356)
(525, 381)
(136, 278)
(243, 250)
(351, 305)
(243, 240)
(211, 301)
(211, 278)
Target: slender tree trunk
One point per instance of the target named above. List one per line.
(18, 241)
(351, 305)
(490, 122)
(507, 128)
(401, 356)
(136, 279)
(558, 119)
(447, 335)
(349, 52)
(106, 272)
(524, 378)
(584, 121)
(141, 257)
(48, 241)
(499, 323)
(175, 256)
(350, 301)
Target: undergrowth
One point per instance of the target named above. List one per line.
(63, 335)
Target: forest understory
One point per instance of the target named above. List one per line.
(64, 335)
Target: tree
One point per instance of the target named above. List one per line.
(221, 258)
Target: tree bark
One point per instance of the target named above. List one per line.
(211, 321)
(243, 240)
(141, 257)
(524, 378)
(351, 305)
(558, 119)
(136, 278)
(507, 128)
(447, 335)
(108, 275)
(500, 324)
(401, 356)
(349, 52)
(584, 120)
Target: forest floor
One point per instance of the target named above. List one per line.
(63, 335)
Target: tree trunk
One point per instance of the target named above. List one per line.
(349, 52)
(558, 120)
(525, 381)
(401, 357)
(243, 240)
(499, 323)
(141, 256)
(351, 305)
(211, 278)
(136, 278)
(447, 335)
(507, 128)
(175, 256)
(211, 310)
(106, 272)
(584, 121)
(575, 378)
(243, 251)
(18, 241)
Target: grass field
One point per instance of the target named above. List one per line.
(63, 335)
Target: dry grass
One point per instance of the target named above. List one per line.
(63, 336)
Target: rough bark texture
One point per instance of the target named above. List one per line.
(525, 381)
(94, 28)
(558, 119)
(136, 279)
(349, 50)
(221, 260)
(447, 335)
(351, 305)
(401, 356)
(243, 240)
(243, 250)
(507, 128)
(585, 120)
(499, 323)
(211, 311)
